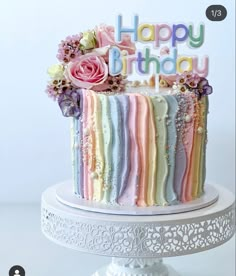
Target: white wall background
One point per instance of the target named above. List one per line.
(34, 137)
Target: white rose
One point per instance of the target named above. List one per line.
(56, 71)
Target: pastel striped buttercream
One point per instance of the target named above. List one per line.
(141, 149)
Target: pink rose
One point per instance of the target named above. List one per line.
(87, 71)
(127, 45)
(106, 36)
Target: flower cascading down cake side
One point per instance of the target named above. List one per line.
(131, 145)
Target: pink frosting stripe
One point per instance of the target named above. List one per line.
(130, 193)
(188, 145)
(143, 133)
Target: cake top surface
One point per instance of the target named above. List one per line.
(99, 61)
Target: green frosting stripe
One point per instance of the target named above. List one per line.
(161, 111)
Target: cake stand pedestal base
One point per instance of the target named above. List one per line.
(136, 267)
(138, 243)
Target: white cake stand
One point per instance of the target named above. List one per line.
(137, 244)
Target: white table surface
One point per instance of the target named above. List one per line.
(22, 243)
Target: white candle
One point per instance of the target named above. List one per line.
(157, 88)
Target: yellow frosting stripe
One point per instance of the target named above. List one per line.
(107, 138)
(161, 111)
(143, 133)
(152, 156)
(204, 104)
(99, 157)
(195, 156)
(89, 158)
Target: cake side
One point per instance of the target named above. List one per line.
(134, 143)
(139, 148)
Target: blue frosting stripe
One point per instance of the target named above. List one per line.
(171, 144)
(75, 152)
(125, 140)
(77, 160)
(116, 147)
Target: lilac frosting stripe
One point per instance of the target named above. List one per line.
(125, 141)
(129, 195)
(116, 147)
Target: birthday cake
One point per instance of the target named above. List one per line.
(134, 143)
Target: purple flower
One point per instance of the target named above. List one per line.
(193, 81)
(188, 74)
(52, 91)
(70, 103)
(116, 83)
(58, 87)
(181, 79)
(203, 88)
(69, 49)
(113, 83)
(188, 78)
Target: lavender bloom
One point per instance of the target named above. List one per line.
(203, 88)
(181, 79)
(69, 48)
(58, 87)
(193, 81)
(70, 104)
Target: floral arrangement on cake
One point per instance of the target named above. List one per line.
(187, 82)
(84, 64)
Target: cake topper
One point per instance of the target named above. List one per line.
(101, 59)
